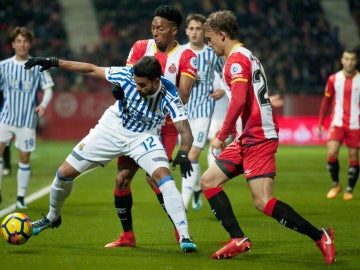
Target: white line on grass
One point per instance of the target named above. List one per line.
(32, 197)
(28, 200)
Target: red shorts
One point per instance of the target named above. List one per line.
(169, 138)
(255, 161)
(350, 136)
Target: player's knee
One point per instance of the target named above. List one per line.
(123, 179)
(159, 173)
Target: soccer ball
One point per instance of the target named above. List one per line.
(16, 228)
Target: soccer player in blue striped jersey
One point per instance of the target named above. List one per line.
(20, 112)
(200, 105)
(130, 127)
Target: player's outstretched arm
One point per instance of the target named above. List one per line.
(74, 66)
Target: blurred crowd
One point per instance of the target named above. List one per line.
(293, 39)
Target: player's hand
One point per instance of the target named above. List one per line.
(320, 131)
(184, 162)
(216, 144)
(217, 94)
(44, 62)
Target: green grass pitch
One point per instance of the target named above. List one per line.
(90, 221)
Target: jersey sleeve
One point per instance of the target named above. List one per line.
(330, 88)
(137, 51)
(188, 64)
(45, 80)
(236, 75)
(176, 110)
(118, 75)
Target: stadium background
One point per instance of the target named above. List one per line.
(299, 43)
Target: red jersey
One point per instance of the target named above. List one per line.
(249, 103)
(346, 100)
(179, 61)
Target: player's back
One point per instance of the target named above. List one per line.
(201, 104)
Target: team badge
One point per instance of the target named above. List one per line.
(172, 68)
(193, 62)
(81, 146)
(235, 68)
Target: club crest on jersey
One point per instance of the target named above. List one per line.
(81, 146)
(172, 68)
(235, 68)
(193, 62)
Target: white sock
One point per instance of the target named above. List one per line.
(60, 190)
(188, 184)
(174, 206)
(23, 178)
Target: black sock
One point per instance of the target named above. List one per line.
(123, 206)
(334, 169)
(6, 158)
(353, 175)
(20, 199)
(197, 195)
(221, 208)
(288, 217)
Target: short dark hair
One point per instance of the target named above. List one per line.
(225, 21)
(149, 67)
(195, 17)
(172, 14)
(22, 30)
(350, 50)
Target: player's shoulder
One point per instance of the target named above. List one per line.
(7, 60)
(185, 50)
(142, 42)
(333, 77)
(169, 86)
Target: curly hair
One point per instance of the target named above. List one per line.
(170, 13)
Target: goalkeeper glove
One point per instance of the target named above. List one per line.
(184, 162)
(118, 92)
(45, 63)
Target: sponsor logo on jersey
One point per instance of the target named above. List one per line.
(172, 68)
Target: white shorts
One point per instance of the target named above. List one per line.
(25, 138)
(109, 140)
(215, 126)
(199, 128)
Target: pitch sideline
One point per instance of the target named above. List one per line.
(28, 200)
(35, 196)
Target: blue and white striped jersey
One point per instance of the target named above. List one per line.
(200, 103)
(145, 114)
(20, 88)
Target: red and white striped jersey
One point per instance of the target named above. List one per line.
(345, 92)
(256, 115)
(180, 60)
